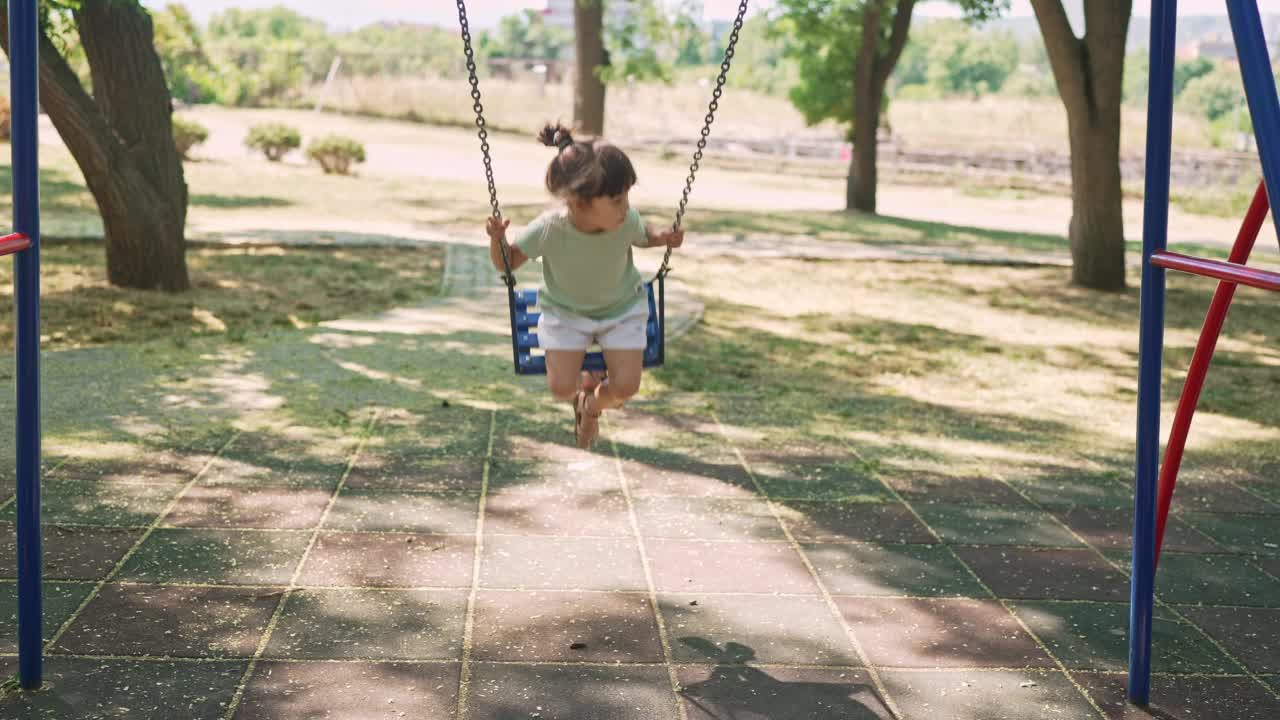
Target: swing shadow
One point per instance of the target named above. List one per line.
(734, 687)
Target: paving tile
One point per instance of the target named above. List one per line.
(561, 626)
(809, 478)
(1252, 534)
(755, 628)
(1214, 580)
(1269, 565)
(1076, 491)
(520, 513)
(1249, 634)
(241, 507)
(995, 526)
(1095, 636)
(688, 477)
(371, 624)
(373, 471)
(548, 563)
(365, 511)
(235, 557)
(60, 601)
(173, 621)
(921, 570)
(1218, 497)
(102, 689)
(553, 444)
(940, 633)
(85, 502)
(707, 519)
(697, 566)
(390, 559)
(250, 470)
(887, 522)
(744, 692)
(1183, 697)
(992, 695)
(550, 692)
(350, 690)
(593, 475)
(1268, 490)
(925, 487)
(1112, 529)
(1025, 573)
(70, 553)
(157, 468)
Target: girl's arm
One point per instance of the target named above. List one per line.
(497, 229)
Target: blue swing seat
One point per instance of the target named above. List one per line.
(524, 336)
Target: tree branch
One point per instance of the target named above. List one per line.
(897, 41)
(1066, 51)
(73, 112)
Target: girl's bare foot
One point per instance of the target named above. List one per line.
(586, 419)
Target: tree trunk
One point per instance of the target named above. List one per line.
(1097, 219)
(877, 56)
(861, 191)
(122, 139)
(1089, 72)
(588, 96)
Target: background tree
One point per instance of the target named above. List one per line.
(847, 50)
(527, 35)
(180, 44)
(121, 136)
(1089, 72)
(588, 91)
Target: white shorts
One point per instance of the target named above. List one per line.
(563, 330)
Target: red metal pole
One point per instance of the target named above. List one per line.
(1213, 323)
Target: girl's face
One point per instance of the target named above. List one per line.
(601, 214)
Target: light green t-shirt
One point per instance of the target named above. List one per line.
(590, 274)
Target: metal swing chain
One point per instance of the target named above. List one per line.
(706, 129)
(483, 133)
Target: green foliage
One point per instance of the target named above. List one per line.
(827, 38)
(406, 49)
(964, 62)
(269, 55)
(273, 140)
(954, 59)
(1185, 72)
(1213, 95)
(525, 35)
(187, 134)
(760, 60)
(191, 74)
(336, 154)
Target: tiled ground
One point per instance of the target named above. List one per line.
(468, 564)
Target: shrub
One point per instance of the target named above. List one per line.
(336, 154)
(188, 134)
(274, 140)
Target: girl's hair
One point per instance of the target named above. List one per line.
(585, 169)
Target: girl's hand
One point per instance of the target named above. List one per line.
(671, 238)
(497, 228)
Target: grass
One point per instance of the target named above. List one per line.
(237, 292)
(967, 371)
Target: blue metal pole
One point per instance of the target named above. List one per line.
(1155, 231)
(1260, 90)
(24, 83)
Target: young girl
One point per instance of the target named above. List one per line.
(592, 291)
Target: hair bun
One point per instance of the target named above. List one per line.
(556, 136)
